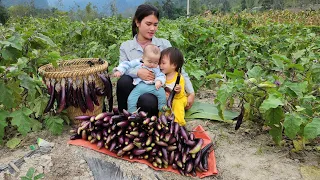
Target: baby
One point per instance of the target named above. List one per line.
(150, 61)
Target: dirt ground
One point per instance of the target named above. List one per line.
(246, 154)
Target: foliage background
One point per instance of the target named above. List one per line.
(269, 61)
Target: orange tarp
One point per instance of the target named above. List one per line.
(199, 132)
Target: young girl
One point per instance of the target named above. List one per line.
(171, 62)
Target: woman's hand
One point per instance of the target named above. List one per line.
(117, 74)
(190, 101)
(145, 74)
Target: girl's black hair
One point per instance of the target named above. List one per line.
(143, 11)
(175, 56)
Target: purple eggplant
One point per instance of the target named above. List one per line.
(197, 147)
(176, 129)
(189, 167)
(183, 132)
(128, 147)
(190, 142)
(172, 140)
(100, 144)
(69, 90)
(52, 97)
(163, 119)
(107, 85)
(92, 90)
(138, 152)
(172, 148)
(75, 136)
(48, 84)
(74, 98)
(86, 92)
(161, 143)
(83, 117)
(80, 98)
(164, 153)
(123, 124)
(171, 157)
(172, 93)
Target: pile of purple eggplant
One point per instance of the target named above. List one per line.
(80, 92)
(161, 141)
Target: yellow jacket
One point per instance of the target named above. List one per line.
(179, 101)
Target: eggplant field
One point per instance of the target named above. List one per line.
(265, 66)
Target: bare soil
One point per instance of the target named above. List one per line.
(247, 154)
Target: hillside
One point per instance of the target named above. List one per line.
(41, 4)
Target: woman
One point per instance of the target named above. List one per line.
(144, 26)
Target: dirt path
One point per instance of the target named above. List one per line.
(246, 154)
(240, 155)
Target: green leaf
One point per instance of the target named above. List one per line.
(202, 110)
(25, 178)
(3, 123)
(281, 58)
(255, 72)
(270, 103)
(312, 130)
(10, 54)
(30, 84)
(198, 74)
(315, 69)
(236, 74)
(278, 61)
(36, 126)
(21, 119)
(22, 63)
(298, 54)
(54, 124)
(14, 142)
(6, 95)
(291, 125)
(297, 88)
(44, 39)
(16, 92)
(224, 92)
(15, 41)
(30, 172)
(274, 118)
(39, 176)
(296, 66)
(39, 105)
(214, 76)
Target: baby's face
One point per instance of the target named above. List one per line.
(151, 60)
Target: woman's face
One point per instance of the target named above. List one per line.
(147, 27)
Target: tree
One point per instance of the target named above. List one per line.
(279, 4)
(168, 8)
(113, 8)
(4, 15)
(226, 6)
(195, 7)
(250, 3)
(243, 5)
(266, 4)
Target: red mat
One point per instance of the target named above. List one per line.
(199, 133)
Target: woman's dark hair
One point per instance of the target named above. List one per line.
(175, 56)
(143, 11)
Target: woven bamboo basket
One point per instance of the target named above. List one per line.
(75, 69)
